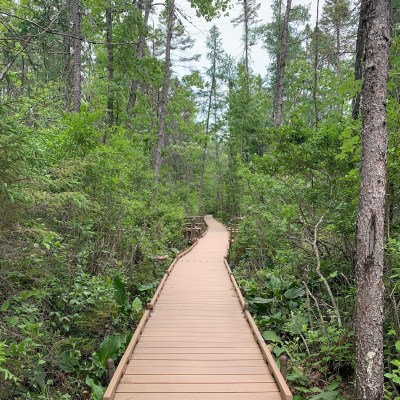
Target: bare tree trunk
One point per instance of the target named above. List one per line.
(67, 72)
(246, 35)
(360, 46)
(338, 42)
(140, 51)
(371, 212)
(315, 83)
(164, 93)
(76, 20)
(110, 67)
(281, 66)
(203, 159)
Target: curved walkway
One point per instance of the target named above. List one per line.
(196, 343)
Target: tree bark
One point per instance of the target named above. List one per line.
(110, 67)
(139, 52)
(76, 20)
(315, 67)
(360, 46)
(281, 66)
(246, 35)
(165, 88)
(371, 212)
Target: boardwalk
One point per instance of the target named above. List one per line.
(197, 343)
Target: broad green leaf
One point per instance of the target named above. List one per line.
(109, 348)
(271, 337)
(96, 389)
(120, 294)
(294, 293)
(137, 305)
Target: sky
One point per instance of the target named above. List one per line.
(198, 29)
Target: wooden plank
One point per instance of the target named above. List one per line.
(198, 363)
(198, 370)
(196, 350)
(197, 388)
(196, 344)
(185, 329)
(219, 335)
(208, 357)
(203, 378)
(196, 339)
(200, 396)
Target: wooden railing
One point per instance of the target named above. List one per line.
(233, 228)
(195, 227)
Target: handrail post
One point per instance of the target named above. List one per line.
(110, 369)
(283, 360)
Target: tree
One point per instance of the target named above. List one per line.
(110, 64)
(358, 64)
(216, 56)
(371, 211)
(76, 20)
(280, 71)
(248, 17)
(170, 12)
(144, 7)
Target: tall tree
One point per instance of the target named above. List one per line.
(248, 17)
(280, 72)
(170, 12)
(76, 20)
(371, 212)
(110, 65)
(358, 64)
(215, 56)
(144, 7)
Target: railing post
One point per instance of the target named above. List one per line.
(110, 369)
(193, 229)
(283, 360)
(85, 395)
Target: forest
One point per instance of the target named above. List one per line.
(105, 148)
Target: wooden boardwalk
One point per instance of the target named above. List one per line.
(198, 341)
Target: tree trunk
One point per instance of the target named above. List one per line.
(281, 66)
(315, 67)
(371, 212)
(246, 35)
(165, 88)
(110, 67)
(203, 158)
(360, 45)
(76, 30)
(139, 51)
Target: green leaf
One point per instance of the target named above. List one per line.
(271, 337)
(109, 348)
(97, 390)
(5, 306)
(398, 346)
(137, 305)
(294, 293)
(120, 294)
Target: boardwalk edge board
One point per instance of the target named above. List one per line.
(268, 358)
(124, 362)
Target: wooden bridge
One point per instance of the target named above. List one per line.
(197, 340)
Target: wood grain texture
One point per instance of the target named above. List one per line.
(199, 343)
